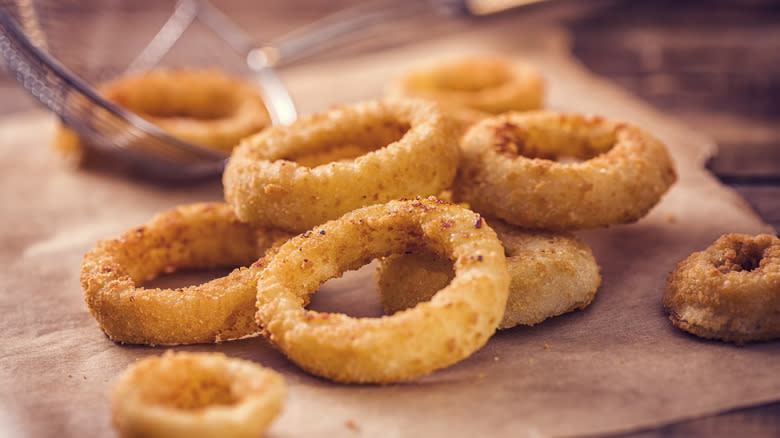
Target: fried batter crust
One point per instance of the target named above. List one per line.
(193, 236)
(381, 150)
(512, 168)
(206, 107)
(473, 87)
(551, 274)
(432, 335)
(196, 395)
(730, 291)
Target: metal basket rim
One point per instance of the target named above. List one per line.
(81, 87)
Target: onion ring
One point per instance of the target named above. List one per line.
(507, 170)
(267, 184)
(204, 107)
(432, 335)
(551, 274)
(188, 237)
(196, 395)
(487, 83)
(730, 291)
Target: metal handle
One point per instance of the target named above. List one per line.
(331, 31)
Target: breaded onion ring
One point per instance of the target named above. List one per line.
(508, 170)
(188, 237)
(551, 274)
(204, 107)
(730, 291)
(287, 176)
(432, 335)
(196, 395)
(488, 83)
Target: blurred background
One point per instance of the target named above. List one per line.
(715, 64)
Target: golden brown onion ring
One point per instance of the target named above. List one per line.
(196, 395)
(508, 170)
(435, 334)
(188, 237)
(204, 107)
(730, 291)
(485, 83)
(406, 148)
(551, 274)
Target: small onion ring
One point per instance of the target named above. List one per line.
(266, 183)
(551, 274)
(205, 107)
(435, 334)
(507, 170)
(486, 83)
(730, 291)
(188, 237)
(196, 395)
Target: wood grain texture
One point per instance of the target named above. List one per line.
(714, 65)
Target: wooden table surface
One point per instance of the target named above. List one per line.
(715, 65)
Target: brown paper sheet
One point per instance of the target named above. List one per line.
(619, 365)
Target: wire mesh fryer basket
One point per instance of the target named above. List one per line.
(57, 50)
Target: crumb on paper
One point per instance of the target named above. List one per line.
(351, 425)
(85, 377)
(70, 375)
(546, 347)
(495, 358)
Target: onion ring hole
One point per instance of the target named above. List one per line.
(352, 145)
(490, 75)
(747, 256)
(354, 294)
(564, 146)
(181, 278)
(216, 99)
(191, 391)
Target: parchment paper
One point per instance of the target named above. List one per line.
(617, 366)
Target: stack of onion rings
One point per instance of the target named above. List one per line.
(188, 237)
(204, 107)
(434, 334)
(551, 274)
(508, 170)
(196, 395)
(407, 148)
(730, 291)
